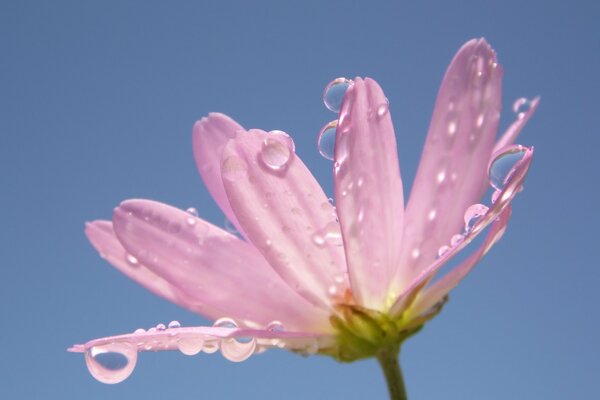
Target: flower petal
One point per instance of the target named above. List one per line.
(502, 201)
(368, 192)
(435, 293)
(104, 240)
(211, 265)
(285, 213)
(209, 137)
(112, 359)
(511, 134)
(454, 161)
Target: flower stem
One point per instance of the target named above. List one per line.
(388, 360)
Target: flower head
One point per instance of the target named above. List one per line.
(303, 275)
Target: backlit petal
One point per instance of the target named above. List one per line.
(211, 265)
(368, 192)
(455, 157)
(286, 215)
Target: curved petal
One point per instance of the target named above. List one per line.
(209, 137)
(502, 201)
(511, 134)
(455, 157)
(368, 192)
(285, 213)
(211, 266)
(104, 240)
(112, 359)
(434, 294)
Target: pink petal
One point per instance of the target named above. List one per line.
(209, 137)
(103, 238)
(515, 128)
(454, 161)
(436, 293)
(285, 213)
(236, 344)
(503, 201)
(368, 192)
(211, 266)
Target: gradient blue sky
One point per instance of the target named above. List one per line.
(97, 102)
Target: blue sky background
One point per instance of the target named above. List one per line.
(97, 101)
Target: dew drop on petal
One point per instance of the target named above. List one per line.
(473, 214)
(131, 260)
(190, 346)
(192, 215)
(225, 323)
(111, 363)
(456, 239)
(383, 109)
(326, 141)
(161, 327)
(229, 227)
(284, 138)
(275, 326)
(442, 250)
(174, 324)
(333, 95)
(274, 154)
(139, 331)
(504, 164)
(521, 106)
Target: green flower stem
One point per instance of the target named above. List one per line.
(388, 360)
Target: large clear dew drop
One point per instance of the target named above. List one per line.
(504, 165)
(235, 349)
(275, 155)
(326, 141)
(333, 96)
(473, 214)
(111, 363)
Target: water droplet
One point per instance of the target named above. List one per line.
(274, 154)
(275, 326)
(473, 214)
(521, 106)
(111, 363)
(190, 346)
(210, 347)
(161, 327)
(415, 253)
(326, 141)
(192, 215)
(225, 323)
(383, 109)
(131, 260)
(284, 138)
(318, 239)
(139, 331)
(235, 349)
(442, 250)
(503, 165)
(234, 169)
(456, 239)
(229, 227)
(333, 95)
(495, 195)
(174, 324)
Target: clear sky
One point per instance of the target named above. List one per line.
(97, 102)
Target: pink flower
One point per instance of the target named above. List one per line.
(348, 281)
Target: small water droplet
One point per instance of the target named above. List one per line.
(190, 346)
(318, 239)
(192, 215)
(442, 250)
(111, 363)
(415, 253)
(161, 327)
(495, 195)
(131, 260)
(521, 106)
(326, 141)
(456, 239)
(225, 323)
(473, 214)
(383, 109)
(333, 95)
(174, 324)
(274, 154)
(275, 326)
(139, 331)
(503, 165)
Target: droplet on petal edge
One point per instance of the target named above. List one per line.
(504, 164)
(111, 363)
(275, 155)
(521, 106)
(235, 349)
(284, 138)
(473, 214)
(192, 215)
(326, 140)
(333, 95)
